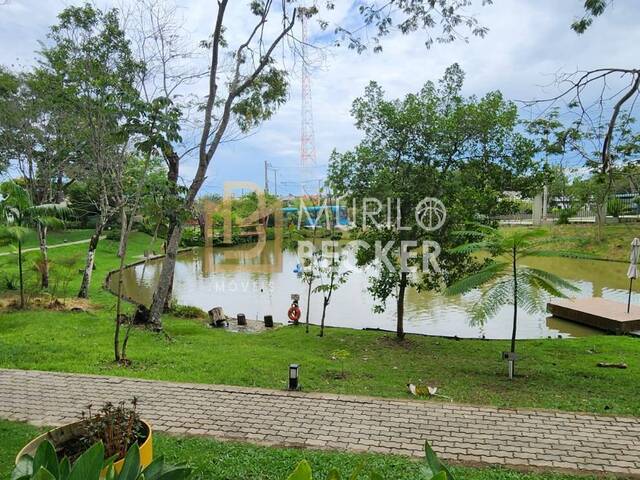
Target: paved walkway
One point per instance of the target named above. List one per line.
(460, 433)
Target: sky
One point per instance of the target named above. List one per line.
(528, 43)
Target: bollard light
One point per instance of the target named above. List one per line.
(293, 376)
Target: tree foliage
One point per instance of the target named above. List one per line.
(465, 151)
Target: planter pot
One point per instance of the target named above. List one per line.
(64, 433)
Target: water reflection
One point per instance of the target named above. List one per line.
(203, 279)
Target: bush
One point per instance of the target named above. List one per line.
(187, 311)
(564, 214)
(191, 238)
(113, 234)
(616, 207)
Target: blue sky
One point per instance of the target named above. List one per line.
(528, 43)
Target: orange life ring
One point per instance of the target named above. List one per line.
(294, 313)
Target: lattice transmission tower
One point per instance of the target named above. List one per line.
(307, 138)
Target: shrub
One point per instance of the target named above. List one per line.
(113, 234)
(191, 238)
(187, 311)
(616, 207)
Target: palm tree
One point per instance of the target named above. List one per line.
(18, 216)
(504, 280)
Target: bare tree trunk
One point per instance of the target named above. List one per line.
(325, 304)
(123, 233)
(306, 321)
(44, 250)
(88, 268)
(165, 282)
(400, 306)
(21, 274)
(515, 311)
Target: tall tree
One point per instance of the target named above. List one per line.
(90, 58)
(435, 144)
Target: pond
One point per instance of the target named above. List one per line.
(202, 279)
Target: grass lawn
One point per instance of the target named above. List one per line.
(54, 238)
(557, 373)
(213, 460)
(614, 245)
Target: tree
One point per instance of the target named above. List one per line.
(89, 61)
(507, 281)
(584, 139)
(19, 216)
(434, 144)
(39, 136)
(331, 278)
(9, 115)
(248, 91)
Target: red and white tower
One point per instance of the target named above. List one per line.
(307, 139)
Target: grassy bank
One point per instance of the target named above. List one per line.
(556, 373)
(234, 461)
(614, 244)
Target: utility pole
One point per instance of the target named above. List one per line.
(275, 181)
(266, 177)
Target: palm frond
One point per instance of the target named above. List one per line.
(50, 209)
(476, 280)
(492, 300)
(551, 278)
(52, 222)
(530, 298)
(15, 195)
(470, 247)
(14, 233)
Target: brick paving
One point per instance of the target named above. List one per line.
(528, 439)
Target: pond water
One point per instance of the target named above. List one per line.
(203, 279)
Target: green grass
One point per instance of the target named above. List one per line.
(614, 244)
(54, 238)
(555, 373)
(213, 460)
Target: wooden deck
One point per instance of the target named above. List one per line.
(598, 313)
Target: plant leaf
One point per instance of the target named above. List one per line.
(24, 468)
(43, 474)
(131, 468)
(302, 472)
(89, 464)
(46, 458)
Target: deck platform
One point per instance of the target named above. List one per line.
(598, 313)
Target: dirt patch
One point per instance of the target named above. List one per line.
(11, 303)
(392, 341)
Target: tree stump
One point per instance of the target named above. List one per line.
(217, 317)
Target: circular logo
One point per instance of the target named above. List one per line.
(431, 214)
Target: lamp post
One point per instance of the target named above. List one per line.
(293, 376)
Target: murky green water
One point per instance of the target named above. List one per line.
(203, 278)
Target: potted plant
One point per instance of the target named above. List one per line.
(91, 465)
(116, 427)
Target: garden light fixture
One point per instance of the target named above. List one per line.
(293, 376)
